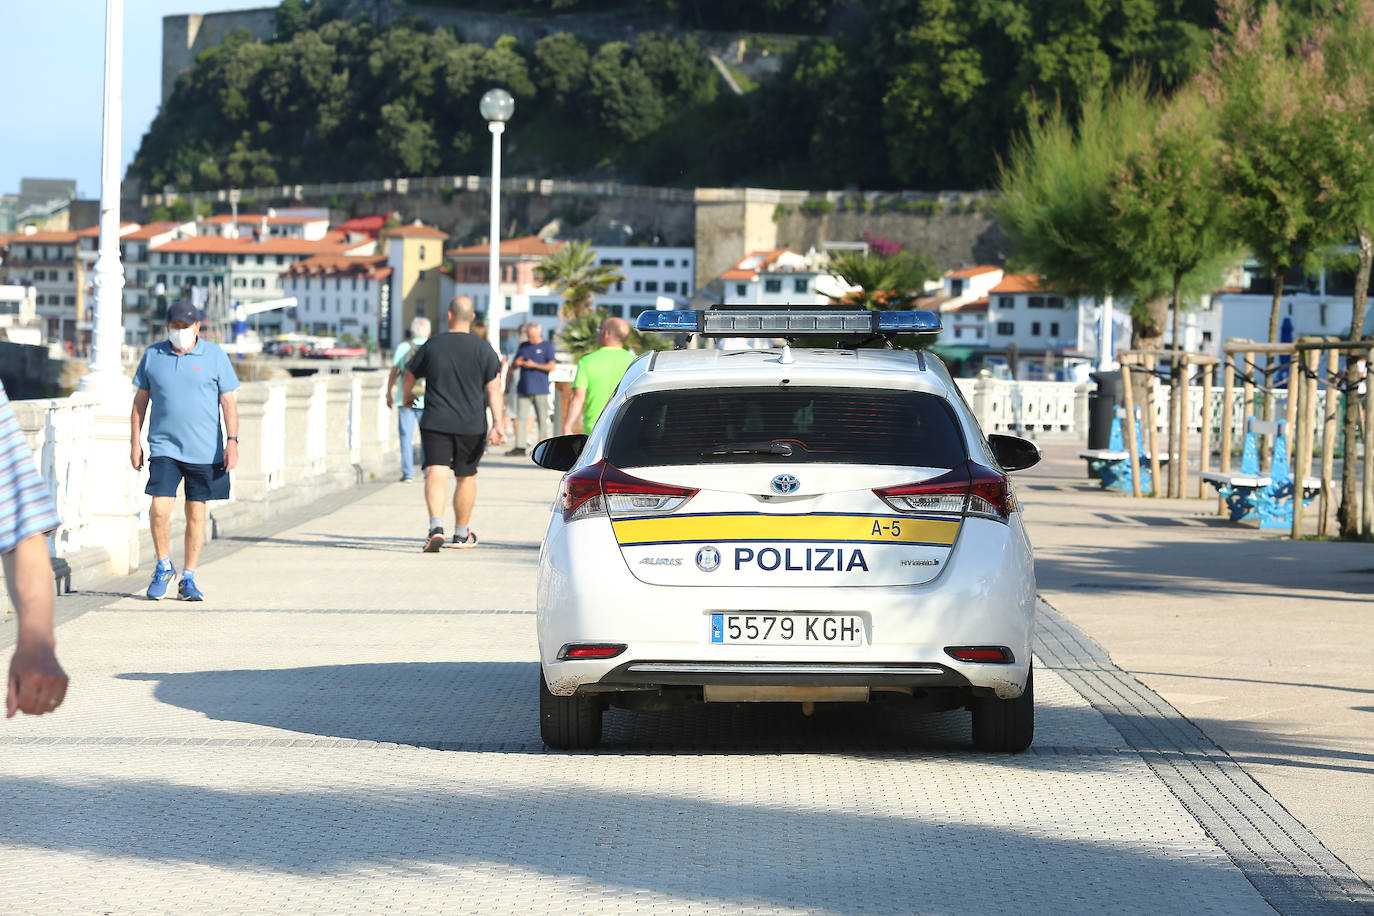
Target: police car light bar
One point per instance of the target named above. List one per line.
(766, 323)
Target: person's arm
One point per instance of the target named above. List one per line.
(230, 405)
(37, 683)
(140, 412)
(497, 403)
(391, 384)
(572, 423)
(408, 389)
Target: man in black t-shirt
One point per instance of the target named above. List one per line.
(462, 374)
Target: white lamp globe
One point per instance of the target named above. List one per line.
(497, 105)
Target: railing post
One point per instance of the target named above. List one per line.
(301, 461)
(262, 431)
(337, 428)
(371, 443)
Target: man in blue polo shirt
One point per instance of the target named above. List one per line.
(189, 382)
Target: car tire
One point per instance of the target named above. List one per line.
(568, 723)
(1006, 726)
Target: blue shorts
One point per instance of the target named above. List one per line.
(203, 481)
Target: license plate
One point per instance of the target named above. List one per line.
(788, 629)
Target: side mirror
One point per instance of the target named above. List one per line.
(1014, 453)
(559, 453)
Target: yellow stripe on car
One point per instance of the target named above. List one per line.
(726, 527)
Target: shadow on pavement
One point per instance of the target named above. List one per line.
(700, 838)
(493, 706)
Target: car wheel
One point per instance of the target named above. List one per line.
(1005, 725)
(568, 723)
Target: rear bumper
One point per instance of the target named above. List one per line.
(985, 596)
(715, 673)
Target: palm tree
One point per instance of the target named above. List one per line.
(572, 268)
(884, 283)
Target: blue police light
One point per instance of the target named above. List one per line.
(922, 322)
(669, 322)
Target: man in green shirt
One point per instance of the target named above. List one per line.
(597, 376)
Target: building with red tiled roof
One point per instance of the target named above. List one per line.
(1018, 283)
(270, 225)
(416, 230)
(50, 263)
(469, 271)
(780, 276)
(340, 294)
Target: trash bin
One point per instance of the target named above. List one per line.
(1102, 403)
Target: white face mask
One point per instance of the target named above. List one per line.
(182, 338)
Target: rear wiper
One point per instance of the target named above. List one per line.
(781, 449)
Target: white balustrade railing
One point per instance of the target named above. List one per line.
(1050, 411)
(288, 441)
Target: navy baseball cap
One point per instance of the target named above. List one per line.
(183, 311)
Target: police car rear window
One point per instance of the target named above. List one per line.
(805, 425)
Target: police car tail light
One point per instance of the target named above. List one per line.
(601, 489)
(969, 489)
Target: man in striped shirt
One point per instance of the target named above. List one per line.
(36, 681)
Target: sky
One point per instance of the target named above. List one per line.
(55, 54)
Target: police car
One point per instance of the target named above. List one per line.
(787, 525)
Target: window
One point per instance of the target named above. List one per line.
(422, 252)
(355, 284)
(637, 286)
(238, 259)
(772, 286)
(670, 286)
(69, 300)
(841, 426)
(800, 286)
(644, 262)
(1035, 329)
(160, 279)
(650, 286)
(176, 257)
(668, 262)
(38, 300)
(1055, 302)
(549, 309)
(507, 302)
(958, 332)
(1006, 302)
(71, 276)
(240, 282)
(740, 289)
(338, 284)
(1006, 328)
(262, 259)
(956, 287)
(176, 280)
(1054, 329)
(162, 257)
(1035, 302)
(281, 259)
(620, 286)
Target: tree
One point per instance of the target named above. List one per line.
(1338, 117)
(560, 65)
(1257, 89)
(1056, 205)
(623, 96)
(891, 282)
(573, 268)
(1166, 203)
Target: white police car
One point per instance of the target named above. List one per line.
(786, 525)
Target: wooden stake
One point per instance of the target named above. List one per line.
(1291, 411)
(1228, 392)
(1300, 398)
(1312, 361)
(1328, 496)
(1128, 428)
(1205, 447)
(1368, 511)
(1153, 437)
(1184, 422)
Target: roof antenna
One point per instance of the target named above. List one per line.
(786, 358)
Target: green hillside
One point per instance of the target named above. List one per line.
(879, 93)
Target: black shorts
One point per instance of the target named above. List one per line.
(203, 481)
(449, 450)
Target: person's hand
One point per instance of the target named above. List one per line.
(136, 456)
(389, 403)
(410, 401)
(37, 683)
(497, 434)
(231, 455)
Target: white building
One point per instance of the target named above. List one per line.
(238, 269)
(48, 262)
(339, 294)
(650, 273)
(309, 225)
(780, 277)
(19, 315)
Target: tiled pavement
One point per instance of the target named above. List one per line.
(348, 726)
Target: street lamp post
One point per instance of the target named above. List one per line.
(107, 327)
(496, 106)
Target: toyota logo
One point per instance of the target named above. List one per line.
(785, 483)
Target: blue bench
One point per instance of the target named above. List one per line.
(1112, 465)
(1266, 498)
